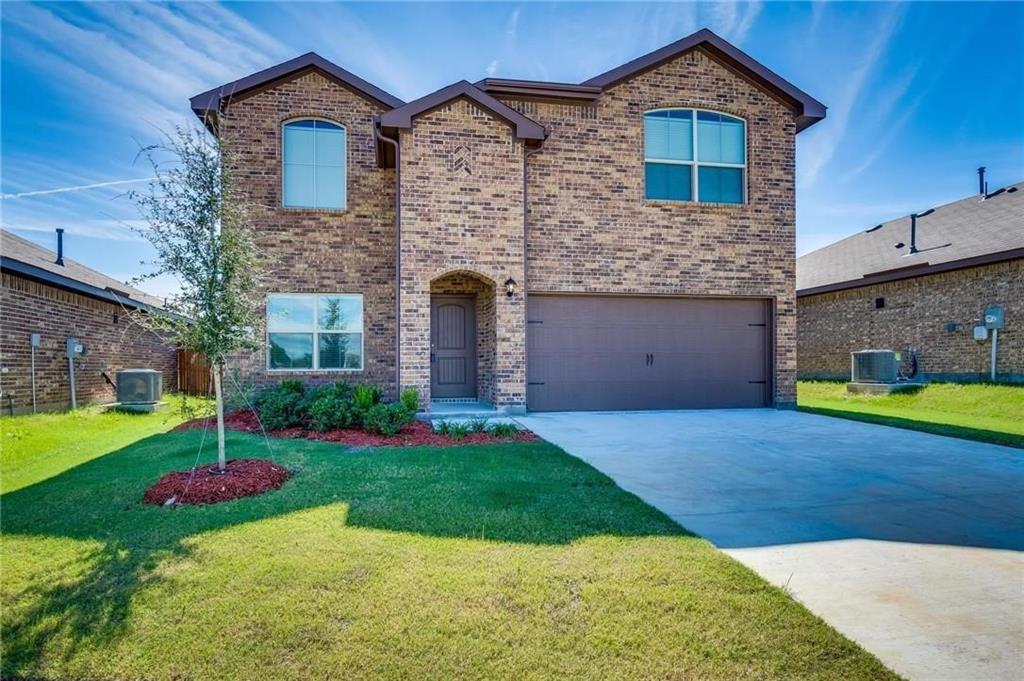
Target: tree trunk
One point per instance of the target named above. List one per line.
(217, 370)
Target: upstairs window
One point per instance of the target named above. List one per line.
(314, 165)
(690, 153)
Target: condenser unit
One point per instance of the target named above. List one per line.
(135, 386)
(874, 366)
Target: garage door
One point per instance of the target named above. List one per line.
(627, 352)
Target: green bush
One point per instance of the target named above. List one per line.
(503, 429)
(457, 431)
(331, 411)
(477, 425)
(387, 419)
(410, 399)
(293, 385)
(282, 406)
(442, 427)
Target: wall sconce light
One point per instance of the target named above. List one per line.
(510, 287)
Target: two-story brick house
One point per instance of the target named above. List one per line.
(623, 243)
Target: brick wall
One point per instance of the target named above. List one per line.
(916, 313)
(321, 251)
(462, 211)
(592, 230)
(30, 307)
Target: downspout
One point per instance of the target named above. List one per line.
(398, 255)
(527, 153)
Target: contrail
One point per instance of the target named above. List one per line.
(61, 190)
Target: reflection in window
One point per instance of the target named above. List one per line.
(315, 331)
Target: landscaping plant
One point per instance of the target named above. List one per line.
(410, 399)
(387, 419)
(199, 224)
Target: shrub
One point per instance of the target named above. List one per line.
(477, 425)
(387, 419)
(331, 411)
(442, 427)
(293, 385)
(457, 431)
(503, 429)
(410, 399)
(282, 407)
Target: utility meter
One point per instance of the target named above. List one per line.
(76, 348)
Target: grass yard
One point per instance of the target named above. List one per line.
(488, 561)
(978, 411)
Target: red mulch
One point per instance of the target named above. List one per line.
(244, 478)
(417, 433)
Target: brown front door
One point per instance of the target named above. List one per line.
(635, 352)
(452, 346)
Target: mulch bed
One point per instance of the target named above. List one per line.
(418, 433)
(244, 478)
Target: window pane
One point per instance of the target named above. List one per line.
(289, 313)
(291, 351)
(299, 142)
(330, 187)
(330, 145)
(668, 181)
(669, 135)
(720, 185)
(719, 138)
(298, 185)
(340, 313)
(341, 350)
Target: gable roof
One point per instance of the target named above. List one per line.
(208, 104)
(969, 232)
(809, 110)
(30, 260)
(401, 117)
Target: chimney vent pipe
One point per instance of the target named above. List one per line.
(982, 185)
(60, 246)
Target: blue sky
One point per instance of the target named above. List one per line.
(919, 94)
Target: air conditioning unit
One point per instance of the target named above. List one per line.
(135, 386)
(874, 366)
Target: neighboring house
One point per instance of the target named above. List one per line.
(869, 291)
(48, 294)
(623, 243)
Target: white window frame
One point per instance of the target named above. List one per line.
(344, 151)
(315, 330)
(695, 164)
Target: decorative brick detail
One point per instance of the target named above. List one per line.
(31, 307)
(470, 223)
(321, 251)
(915, 315)
(592, 231)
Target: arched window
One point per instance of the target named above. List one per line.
(690, 153)
(314, 164)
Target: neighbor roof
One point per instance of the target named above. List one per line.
(972, 231)
(526, 128)
(27, 259)
(208, 105)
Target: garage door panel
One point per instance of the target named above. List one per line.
(603, 352)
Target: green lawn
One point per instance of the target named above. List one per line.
(490, 561)
(979, 411)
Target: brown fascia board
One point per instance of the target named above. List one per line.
(401, 117)
(808, 110)
(914, 272)
(538, 89)
(207, 105)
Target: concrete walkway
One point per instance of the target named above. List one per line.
(909, 543)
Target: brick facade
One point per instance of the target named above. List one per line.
(320, 251)
(112, 339)
(916, 314)
(462, 211)
(592, 231)
(462, 216)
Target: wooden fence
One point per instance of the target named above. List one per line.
(193, 374)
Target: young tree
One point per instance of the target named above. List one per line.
(200, 226)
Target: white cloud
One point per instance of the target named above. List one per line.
(492, 68)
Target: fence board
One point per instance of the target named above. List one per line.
(194, 377)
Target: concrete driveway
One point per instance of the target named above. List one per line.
(906, 542)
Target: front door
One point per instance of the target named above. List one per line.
(452, 346)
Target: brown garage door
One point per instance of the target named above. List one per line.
(632, 352)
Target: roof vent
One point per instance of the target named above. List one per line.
(60, 247)
(982, 184)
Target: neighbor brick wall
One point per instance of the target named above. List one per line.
(916, 312)
(462, 211)
(591, 229)
(29, 307)
(320, 251)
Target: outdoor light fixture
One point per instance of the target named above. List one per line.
(510, 287)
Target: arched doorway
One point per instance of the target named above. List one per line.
(462, 338)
